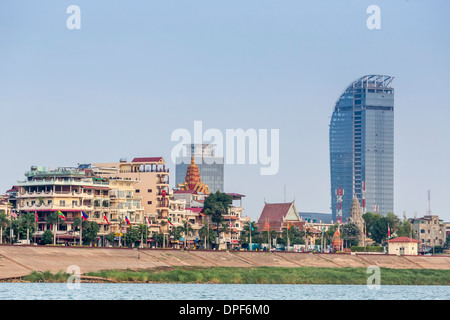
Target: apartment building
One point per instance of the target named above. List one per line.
(152, 184)
(429, 230)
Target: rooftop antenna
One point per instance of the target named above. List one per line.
(429, 203)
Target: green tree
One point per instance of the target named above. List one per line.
(209, 235)
(132, 235)
(110, 237)
(143, 232)
(247, 232)
(393, 221)
(217, 205)
(4, 222)
(159, 239)
(350, 234)
(187, 230)
(90, 231)
(379, 231)
(176, 233)
(53, 219)
(405, 229)
(14, 226)
(28, 221)
(47, 237)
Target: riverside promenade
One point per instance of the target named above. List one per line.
(17, 261)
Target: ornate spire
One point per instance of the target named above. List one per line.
(192, 175)
(355, 217)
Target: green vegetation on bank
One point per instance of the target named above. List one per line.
(261, 275)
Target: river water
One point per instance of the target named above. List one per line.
(107, 291)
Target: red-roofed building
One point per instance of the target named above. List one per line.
(403, 245)
(149, 160)
(278, 215)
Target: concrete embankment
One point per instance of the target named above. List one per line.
(17, 261)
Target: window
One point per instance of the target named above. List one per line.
(137, 190)
(149, 190)
(62, 203)
(149, 202)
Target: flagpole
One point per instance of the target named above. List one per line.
(250, 229)
(81, 230)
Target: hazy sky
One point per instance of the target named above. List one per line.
(138, 70)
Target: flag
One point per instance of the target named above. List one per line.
(61, 215)
(35, 213)
(84, 215)
(289, 228)
(128, 221)
(14, 214)
(170, 222)
(389, 231)
(104, 217)
(148, 221)
(266, 226)
(251, 226)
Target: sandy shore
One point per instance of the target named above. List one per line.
(17, 261)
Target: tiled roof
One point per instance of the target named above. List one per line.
(274, 213)
(149, 159)
(186, 191)
(403, 239)
(196, 210)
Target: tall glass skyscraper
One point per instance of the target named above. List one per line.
(362, 146)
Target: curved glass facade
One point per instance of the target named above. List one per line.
(362, 145)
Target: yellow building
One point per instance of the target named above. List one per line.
(403, 246)
(152, 184)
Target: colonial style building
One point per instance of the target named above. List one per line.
(403, 246)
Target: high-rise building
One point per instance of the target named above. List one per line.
(211, 167)
(362, 147)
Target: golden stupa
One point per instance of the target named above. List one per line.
(193, 180)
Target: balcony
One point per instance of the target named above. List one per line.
(52, 207)
(52, 194)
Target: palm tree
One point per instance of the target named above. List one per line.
(4, 222)
(77, 224)
(187, 230)
(53, 219)
(207, 235)
(143, 230)
(28, 221)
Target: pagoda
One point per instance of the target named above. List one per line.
(193, 180)
(355, 217)
(337, 242)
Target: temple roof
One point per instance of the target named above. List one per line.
(277, 215)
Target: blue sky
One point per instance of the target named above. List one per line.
(138, 70)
